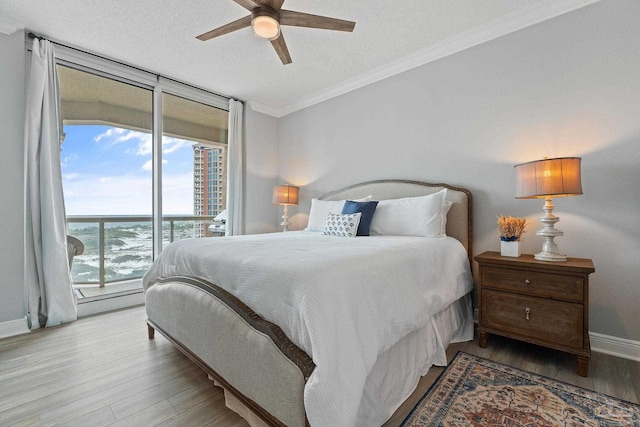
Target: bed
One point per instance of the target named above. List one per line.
(301, 328)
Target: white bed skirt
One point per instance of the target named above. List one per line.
(398, 370)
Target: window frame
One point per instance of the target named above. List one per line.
(158, 84)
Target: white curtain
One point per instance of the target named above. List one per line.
(235, 170)
(47, 276)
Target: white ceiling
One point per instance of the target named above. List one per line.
(389, 37)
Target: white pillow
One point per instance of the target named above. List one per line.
(411, 216)
(321, 208)
(343, 225)
(445, 210)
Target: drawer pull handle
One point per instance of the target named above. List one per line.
(527, 311)
(527, 282)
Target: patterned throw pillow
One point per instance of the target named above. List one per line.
(343, 225)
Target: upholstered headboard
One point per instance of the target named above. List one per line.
(458, 219)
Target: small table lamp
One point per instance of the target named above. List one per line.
(285, 195)
(545, 179)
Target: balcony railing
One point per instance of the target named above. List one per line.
(120, 248)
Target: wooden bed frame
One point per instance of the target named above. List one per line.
(277, 368)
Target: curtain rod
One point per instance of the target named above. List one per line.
(33, 35)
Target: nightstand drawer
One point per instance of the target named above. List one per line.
(535, 283)
(542, 320)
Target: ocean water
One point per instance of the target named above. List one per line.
(128, 248)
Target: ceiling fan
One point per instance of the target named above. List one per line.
(266, 18)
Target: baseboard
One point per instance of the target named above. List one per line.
(620, 347)
(110, 304)
(14, 327)
(20, 326)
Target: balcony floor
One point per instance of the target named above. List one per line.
(93, 292)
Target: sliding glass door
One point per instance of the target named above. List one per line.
(106, 179)
(194, 147)
(111, 163)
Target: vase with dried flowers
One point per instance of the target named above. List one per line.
(511, 230)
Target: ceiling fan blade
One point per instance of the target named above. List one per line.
(299, 19)
(247, 4)
(226, 29)
(274, 4)
(281, 48)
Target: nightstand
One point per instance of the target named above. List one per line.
(540, 302)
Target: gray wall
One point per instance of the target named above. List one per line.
(566, 87)
(12, 98)
(261, 137)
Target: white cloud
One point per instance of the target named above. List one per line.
(177, 194)
(134, 134)
(130, 194)
(148, 165)
(169, 145)
(108, 134)
(127, 195)
(144, 141)
(69, 158)
(113, 136)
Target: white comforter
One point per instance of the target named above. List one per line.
(344, 301)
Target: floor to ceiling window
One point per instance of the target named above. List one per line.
(106, 180)
(194, 181)
(108, 158)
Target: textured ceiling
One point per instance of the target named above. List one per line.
(389, 37)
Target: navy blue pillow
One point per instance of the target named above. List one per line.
(367, 210)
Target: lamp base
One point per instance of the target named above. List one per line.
(549, 256)
(549, 232)
(285, 219)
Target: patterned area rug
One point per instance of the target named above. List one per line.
(473, 391)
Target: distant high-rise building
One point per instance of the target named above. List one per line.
(209, 180)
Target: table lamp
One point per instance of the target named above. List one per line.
(545, 179)
(285, 195)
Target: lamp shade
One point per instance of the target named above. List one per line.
(548, 178)
(285, 195)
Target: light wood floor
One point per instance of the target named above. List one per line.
(103, 371)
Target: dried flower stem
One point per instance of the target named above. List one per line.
(511, 228)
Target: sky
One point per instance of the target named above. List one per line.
(107, 171)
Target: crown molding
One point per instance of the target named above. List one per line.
(9, 26)
(265, 109)
(478, 35)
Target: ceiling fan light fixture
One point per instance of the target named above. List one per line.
(265, 27)
(265, 19)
